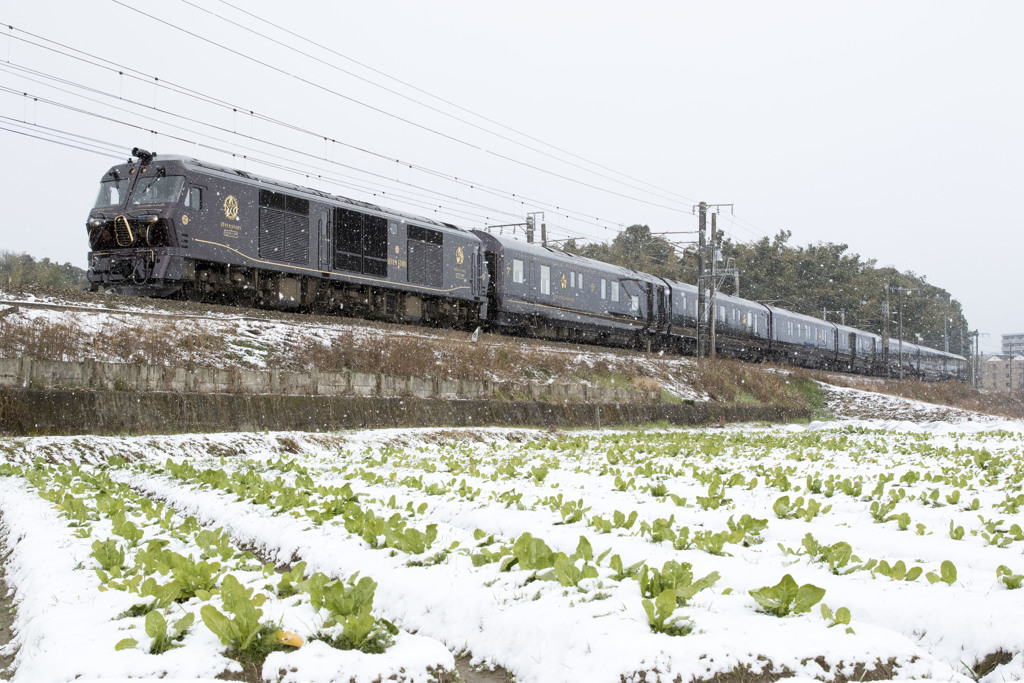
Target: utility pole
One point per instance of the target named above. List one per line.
(976, 360)
(702, 220)
(707, 281)
(714, 283)
(900, 291)
(885, 339)
(975, 365)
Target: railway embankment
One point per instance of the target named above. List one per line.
(81, 362)
(69, 411)
(74, 397)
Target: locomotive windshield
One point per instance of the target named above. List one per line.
(112, 192)
(157, 190)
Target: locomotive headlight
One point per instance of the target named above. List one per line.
(95, 223)
(151, 219)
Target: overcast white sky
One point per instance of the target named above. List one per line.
(894, 127)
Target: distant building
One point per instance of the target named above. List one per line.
(1003, 374)
(1013, 344)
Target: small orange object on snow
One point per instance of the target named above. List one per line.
(289, 638)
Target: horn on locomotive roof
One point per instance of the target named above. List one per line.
(144, 156)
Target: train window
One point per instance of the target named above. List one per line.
(194, 199)
(545, 280)
(284, 202)
(604, 289)
(157, 190)
(421, 234)
(579, 281)
(517, 271)
(634, 303)
(572, 280)
(112, 192)
(615, 291)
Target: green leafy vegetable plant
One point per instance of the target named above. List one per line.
(659, 615)
(242, 630)
(947, 574)
(840, 618)
(163, 639)
(786, 597)
(676, 577)
(1008, 578)
(350, 624)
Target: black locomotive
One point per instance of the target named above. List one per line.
(175, 226)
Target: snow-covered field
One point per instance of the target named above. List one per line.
(534, 552)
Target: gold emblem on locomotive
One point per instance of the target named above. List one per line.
(459, 256)
(231, 207)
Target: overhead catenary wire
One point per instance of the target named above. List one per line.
(439, 110)
(125, 71)
(280, 162)
(434, 131)
(752, 229)
(318, 173)
(237, 149)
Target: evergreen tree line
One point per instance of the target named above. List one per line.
(22, 269)
(809, 280)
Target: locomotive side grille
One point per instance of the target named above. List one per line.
(296, 238)
(283, 236)
(123, 232)
(271, 234)
(426, 256)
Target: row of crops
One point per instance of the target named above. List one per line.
(587, 556)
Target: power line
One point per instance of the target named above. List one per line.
(431, 107)
(129, 72)
(320, 86)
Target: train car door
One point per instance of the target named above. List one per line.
(324, 240)
(663, 308)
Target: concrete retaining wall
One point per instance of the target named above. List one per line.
(21, 373)
(64, 411)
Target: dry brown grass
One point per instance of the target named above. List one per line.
(451, 358)
(734, 381)
(40, 339)
(158, 343)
